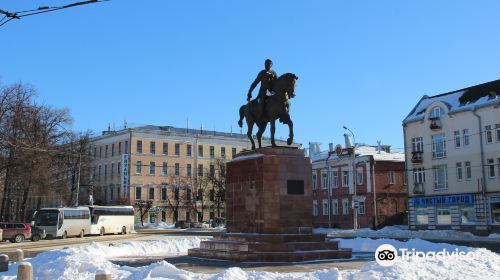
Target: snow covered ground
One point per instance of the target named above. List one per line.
(161, 225)
(82, 262)
(402, 232)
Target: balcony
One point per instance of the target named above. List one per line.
(419, 188)
(435, 123)
(417, 157)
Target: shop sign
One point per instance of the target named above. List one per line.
(442, 200)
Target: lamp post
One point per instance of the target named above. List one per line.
(354, 197)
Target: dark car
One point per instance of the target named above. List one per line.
(182, 224)
(37, 234)
(15, 232)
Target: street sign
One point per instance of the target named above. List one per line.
(356, 204)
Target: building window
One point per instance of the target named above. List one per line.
(200, 150)
(126, 147)
(105, 170)
(164, 169)
(151, 195)
(138, 193)
(188, 194)
(422, 216)
(438, 146)
(498, 164)
(212, 152)
(119, 168)
(315, 208)
(419, 175)
(443, 216)
(177, 149)
(139, 146)
(188, 170)
(176, 169)
(491, 167)
(335, 179)
(345, 178)
(457, 138)
(151, 168)
(152, 147)
(100, 152)
(106, 154)
(361, 207)
(233, 151)
(111, 193)
(359, 175)
(325, 207)
(437, 112)
(495, 212)
(99, 171)
(417, 144)
(324, 181)
(176, 193)
(335, 206)
(112, 150)
(440, 177)
(119, 148)
(468, 170)
(112, 169)
(314, 185)
(212, 170)
(223, 152)
(95, 151)
(497, 132)
(392, 177)
(189, 150)
(345, 206)
(138, 167)
(466, 137)
(489, 134)
(165, 148)
(200, 170)
(459, 171)
(468, 215)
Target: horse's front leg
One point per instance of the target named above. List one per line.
(289, 141)
(249, 133)
(273, 129)
(262, 128)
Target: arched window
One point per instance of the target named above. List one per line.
(436, 112)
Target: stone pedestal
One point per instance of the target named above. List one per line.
(269, 211)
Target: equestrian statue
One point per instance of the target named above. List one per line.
(271, 104)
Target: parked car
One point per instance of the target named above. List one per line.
(15, 232)
(196, 225)
(37, 234)
(182, 224)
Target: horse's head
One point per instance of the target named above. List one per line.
(289, 83)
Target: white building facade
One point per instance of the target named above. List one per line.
(452, 150)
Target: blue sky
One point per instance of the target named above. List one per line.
(363, 64)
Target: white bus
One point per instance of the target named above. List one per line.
(111, 219)
(63, 222)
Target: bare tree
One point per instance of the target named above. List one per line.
(144, 206)
(217, 181)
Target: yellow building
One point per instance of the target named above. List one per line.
(166, 165)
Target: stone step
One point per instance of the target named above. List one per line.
(296, 256)
(271, 238)
(243, 246)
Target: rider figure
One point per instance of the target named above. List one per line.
(266, 78)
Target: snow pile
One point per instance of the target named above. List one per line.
(402, 232)
(161, 225)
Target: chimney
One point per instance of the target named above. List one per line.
(348, 141)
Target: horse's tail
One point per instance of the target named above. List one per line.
(242, 115)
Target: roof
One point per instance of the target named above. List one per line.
(460, 100)
(364, 151)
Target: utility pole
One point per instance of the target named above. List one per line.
(79, 171)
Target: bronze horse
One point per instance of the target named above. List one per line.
(276, 107)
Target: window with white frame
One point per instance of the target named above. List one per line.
(164, 193)
(345, 178)
(315, 208)
(419, 175)
(440, 177)
(164, 169)
(491, 167)
(177, 168)
(138, 167)
(138, 193)
(392, 177)
(325, 207)
(152, 168)
(314, 183)
(468, 170)
(468, 215)
(497, 132)
(151, 194)
(489, 134)
(324, 180)
(438, 146)
(422, 215)
(335, 206)
(458, 139)
(359, 175)
(335, 179)
(466, 135)
(345, 206)
(437, 112)
(459, 171)
(361, 207)
(443, 216)
(417, 144)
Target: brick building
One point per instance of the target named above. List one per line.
(340, 191)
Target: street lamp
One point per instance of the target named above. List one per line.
(354, 197)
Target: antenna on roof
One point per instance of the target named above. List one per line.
(109, 126)
(231, 129)
(201, 129)
(187, 125)
(125, 123)
(379, 147)
(214, 129)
